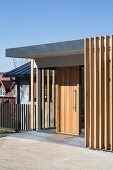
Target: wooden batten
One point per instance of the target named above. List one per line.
(86, 91)
(111, 92)
(37, 111)
(32, 93)
(106, 88)
(43, 99)
(101, 93)
(96, 93)
(57, 103)
(53, 98)
(48, 98)
(91, 68)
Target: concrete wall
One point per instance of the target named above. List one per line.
(72, 60)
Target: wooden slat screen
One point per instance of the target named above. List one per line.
(16, 116)
(48, 98)
(98, 64)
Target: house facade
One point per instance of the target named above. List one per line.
(7, 90)
(82, 71)
(21, 77)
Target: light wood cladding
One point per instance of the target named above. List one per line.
(68, 100)
(98, 65)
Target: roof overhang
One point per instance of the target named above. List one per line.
(67, 48)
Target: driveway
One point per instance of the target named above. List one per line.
(27, 154)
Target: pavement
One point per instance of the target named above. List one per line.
(49, 136)
(25, 151)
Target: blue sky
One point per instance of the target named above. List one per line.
(31, 22)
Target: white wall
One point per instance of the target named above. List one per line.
(24, 92)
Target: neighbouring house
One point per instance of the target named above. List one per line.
(81, 71)
(7, 90)
(21, 77)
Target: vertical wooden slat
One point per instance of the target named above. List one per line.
(53, 98)
(4, 114)
(101, 94)
(48, 98)
(106, 97)
(86, 90)
(32, 92)
(16, 111)
(73, 118)
(0, 115)
(91, 67)
(111, 93)
(66, 92)
(36, 98)
(70, 101)
(57, 102)
(24, 117)
(28, 117)
(19, 122)
(77, 101)
(43, 98)
(62, 96)
(9, 115)
(96, 94)
(35, 116)
(15, 116)
(12, 116)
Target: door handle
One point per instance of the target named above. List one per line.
(74, 99)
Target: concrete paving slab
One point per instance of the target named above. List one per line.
(47, 136)
(28, 154)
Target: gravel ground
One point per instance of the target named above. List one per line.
(27, 154)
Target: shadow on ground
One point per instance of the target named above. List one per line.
(51, 137)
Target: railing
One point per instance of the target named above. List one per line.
(16, 116)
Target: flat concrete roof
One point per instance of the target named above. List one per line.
(65, 48)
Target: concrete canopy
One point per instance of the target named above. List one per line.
(66, 53)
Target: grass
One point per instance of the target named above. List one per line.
(4, 132)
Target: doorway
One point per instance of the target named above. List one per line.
(68, 100)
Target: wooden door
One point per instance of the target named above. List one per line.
(67, 100)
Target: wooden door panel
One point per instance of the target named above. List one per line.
(68, 101)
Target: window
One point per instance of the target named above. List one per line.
(2, 92)
(14, 92)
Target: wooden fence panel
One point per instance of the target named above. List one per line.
(99, 92)
(16, 116)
